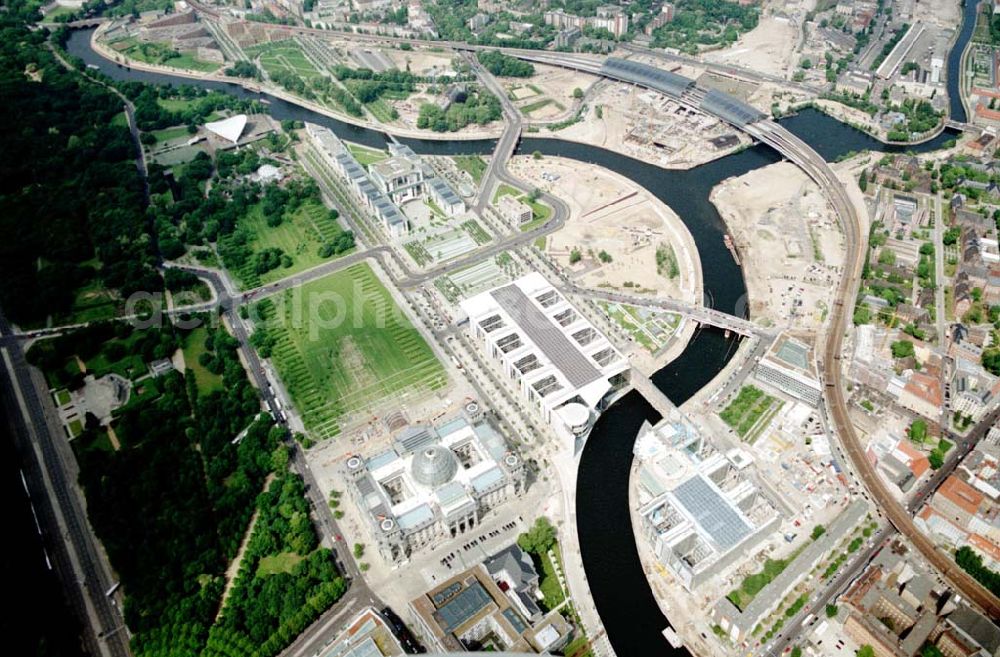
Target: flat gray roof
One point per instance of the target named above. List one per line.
(444, 190)
(794, 353)
(454, 613)
(557, 347)
(716, 516)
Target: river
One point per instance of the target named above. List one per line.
(957, 109)
(619, 587)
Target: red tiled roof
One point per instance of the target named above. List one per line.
(961, 494)
(915, 459)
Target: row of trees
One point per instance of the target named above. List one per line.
(971, 562)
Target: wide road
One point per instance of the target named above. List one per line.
(831, 368)
(513, 124)
(76, 555)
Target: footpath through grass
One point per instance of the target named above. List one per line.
(351, 349)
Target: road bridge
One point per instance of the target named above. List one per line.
(649, 390)
(962, 126)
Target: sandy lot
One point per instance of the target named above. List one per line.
(947, 13)
(556, 83)
(769, 48)
(609, 213)
(421, 62)
(791, 247)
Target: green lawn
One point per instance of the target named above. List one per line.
(750, 407)
(194, 346)
(189, 61)
(120, 120)
(163, 54)
(535, 106)
(285, 55)
(300, 236)
(167, 134)
(474, 165)
(62, 397)
(382, 111)
(75, 427)
(505, 190)
(128, 366)
(177, 104)
(366, 156)
(278, 563)
(346, 348)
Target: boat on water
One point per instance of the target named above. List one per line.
(728, 240)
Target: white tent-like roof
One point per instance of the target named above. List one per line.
(229, 129)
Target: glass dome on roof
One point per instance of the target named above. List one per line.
(434, 466)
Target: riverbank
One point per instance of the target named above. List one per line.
(863, 122)
(611, 215)
(254, 86)
(789, 242)
(668, 592)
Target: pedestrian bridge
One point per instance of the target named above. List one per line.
(700, 314)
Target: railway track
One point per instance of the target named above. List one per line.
(831, 367)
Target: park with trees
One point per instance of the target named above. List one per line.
(172, 503)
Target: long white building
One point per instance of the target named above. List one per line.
(338, 157)
(559, 361)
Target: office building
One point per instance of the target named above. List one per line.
(339, 159)
(471, 612)
(701, 510)
(513, 210)
(787, 367)
(561, 364)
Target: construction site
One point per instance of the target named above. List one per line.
(653, 128)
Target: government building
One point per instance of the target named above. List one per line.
(433, 484)
(561, 364)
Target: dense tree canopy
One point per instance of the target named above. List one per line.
(71, 199)
(503, 65)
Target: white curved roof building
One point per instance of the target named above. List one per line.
(230, 129)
